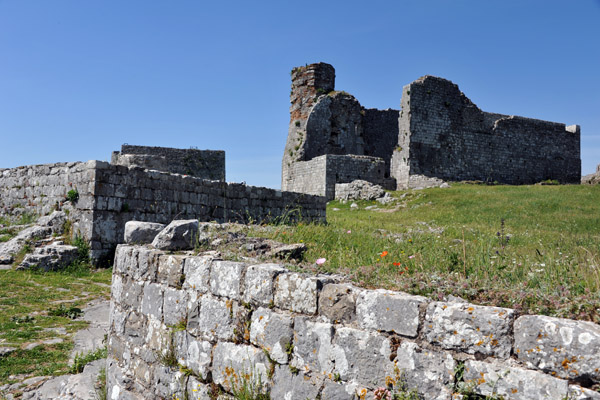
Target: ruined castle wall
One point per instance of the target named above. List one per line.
(380, 132)
(185, 326)
(124, 194)
(206, 164)
(450, 138)
(307, 177)
(40, 189)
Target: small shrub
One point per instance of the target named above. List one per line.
(72, 196)
(71, 312)
(81, 360)
(100, 386)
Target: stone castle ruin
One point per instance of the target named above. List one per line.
(151, 184)
(438, 135)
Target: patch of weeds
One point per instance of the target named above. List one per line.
(100, 385)
(246, 386)
(22, 320)
(5, 238)
(168, 357)
(20, 256)
(71, 312)
(73, 196)
(81, 360)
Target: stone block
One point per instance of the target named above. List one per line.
(312, 346)
(193, 353)
(297, 293)
(178, 235)
(197, 390)
(197, 274)
(174, 306)
(272, 332)
(470, 328)
(213, 319)
(361, 356)
(137, 232)
(170, 270)
(389, 311)
(132, 294)
(259, 283)
(152, 300)
(579, 393)
(430, 372)
(147, 264)
(226, 278)
(338, 302)
(513, 383)
(290, 386)
(169, 382)
(336, 391)
(569, 349)
(233, 361)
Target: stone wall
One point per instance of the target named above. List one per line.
(110, 195)
(206, 164)
(319, 175)
(40, 189)
(444, 135)
(184, 326)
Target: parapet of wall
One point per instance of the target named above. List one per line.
(184, 326)
(206, 164)
(319, 175)
(443, 135)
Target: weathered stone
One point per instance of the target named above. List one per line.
(579, 393)
(50, 258)
(137, 232)
(312, 346)
(297, 293)
(193, 353)
(56, 221)
(358, 190)
(175, 306)
(289, 386)
(338, 302)
(430, 372)
(259, 288)
(17, 243)
(336, 391)
(214, 320)
(569, 349)
(513, 383)
(152, 300)
(362, 356)
(231, 362)
(289, 251)
(170, 270)
(178, 235)
(169, 383)
(470, 328)
(385, 310)
(226, 278)
(272, 332)
(197, 274)
(197, 390)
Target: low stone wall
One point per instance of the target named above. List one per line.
(184, 326)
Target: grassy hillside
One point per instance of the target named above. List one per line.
(533, 248)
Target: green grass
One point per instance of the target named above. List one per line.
(27, 301)
(533, 248)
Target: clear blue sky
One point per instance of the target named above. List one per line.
(80, 78)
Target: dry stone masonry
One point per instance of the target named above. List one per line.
(194, 326)
(109, 195)
(438, 135)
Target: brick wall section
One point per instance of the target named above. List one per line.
(205, 164)
(446, 136)
(311, 337)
